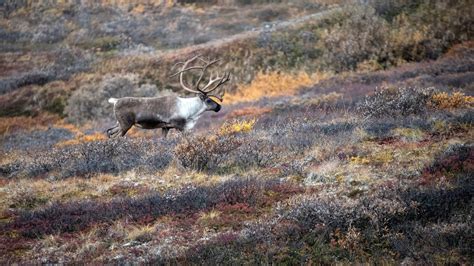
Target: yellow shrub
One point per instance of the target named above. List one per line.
(237, 126)
(273, 84)
(382, 157)
(441, 127)
(359, 160)
(444, 100)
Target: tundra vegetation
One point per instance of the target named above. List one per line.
(346, 134)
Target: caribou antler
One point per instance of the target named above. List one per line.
(221, 80)
(215, 82)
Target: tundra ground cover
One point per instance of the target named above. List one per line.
(373, 165)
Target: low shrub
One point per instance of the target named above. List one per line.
(395, 102)
(409, 134)
(105, 43)
(50, 32)
(361, 35)
(255, 152)
(417, 33)
(30, 78)
(80, 138)
(455, 159)
(324, 101)
(65, 63)
(79, 215)
(388, 221)
(88, 159)
(35, 140)
(25, 197)
(12, 124)
(206, 152)
(392, 224)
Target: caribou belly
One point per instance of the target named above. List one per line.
(150, 124)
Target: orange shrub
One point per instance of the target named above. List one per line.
(74, 129)
(443, 100)
(80, 138)
(273, 84)
(11, 124)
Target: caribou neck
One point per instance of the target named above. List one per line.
(190, 108)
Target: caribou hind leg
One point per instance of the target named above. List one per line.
(124, 130)
(165, 131)
(125, 123)
(118, 129)
(113, 130)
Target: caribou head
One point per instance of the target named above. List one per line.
(205, 92)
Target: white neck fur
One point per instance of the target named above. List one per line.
(190, 108)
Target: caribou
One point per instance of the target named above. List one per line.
(171, 111)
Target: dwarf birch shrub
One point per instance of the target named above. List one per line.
(205, 152)
(385, 102)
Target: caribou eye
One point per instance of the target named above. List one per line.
(208, 100)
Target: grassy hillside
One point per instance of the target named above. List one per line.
(345, 134)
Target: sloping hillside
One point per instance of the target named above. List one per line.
(345, 135)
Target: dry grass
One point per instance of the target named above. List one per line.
(140, 233)
(207, 217)
(9, 125)
(81, 138)
(274, 84)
